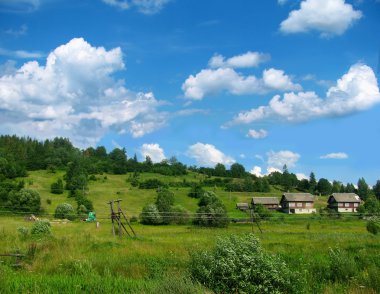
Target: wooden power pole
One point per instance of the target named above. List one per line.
(118, 216)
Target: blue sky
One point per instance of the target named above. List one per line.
(262, 83)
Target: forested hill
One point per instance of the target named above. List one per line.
(19, 155)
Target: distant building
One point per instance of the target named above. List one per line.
(268, 202)
(344, 202)
(242, 206)
(297, 203)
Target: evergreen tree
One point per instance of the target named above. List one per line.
(363, 189)
(312, 183)
(376, 189)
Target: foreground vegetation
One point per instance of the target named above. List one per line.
(337, 256)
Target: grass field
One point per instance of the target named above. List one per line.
(79, 258)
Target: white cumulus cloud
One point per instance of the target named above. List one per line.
(154, 151)
(355, 91)
(329, 17)
(246, 60)
(222, 77)
(260, 134)
(337, 155)
(284, 157)
(208, 155)
(143, 6)
(75, 95)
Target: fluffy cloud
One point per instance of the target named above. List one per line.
(154, 151)
(208, 155)
(260, 134)
(257, 171)
(338, 155)
(144, 6)
(329, 17)
(279, 159)
(302, 176)
(246, 60)
(74, 95)
(222, 77)
(355, 91)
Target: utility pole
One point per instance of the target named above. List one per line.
(116, 216)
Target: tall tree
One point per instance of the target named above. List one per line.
(363, 189)
(324, 186)
(220, 170)
(376, 189)
(312, 183)
(237, 170)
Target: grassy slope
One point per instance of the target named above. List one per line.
(116, 187)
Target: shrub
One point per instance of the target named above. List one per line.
(64, 210)
(373, 226)
(23, 232)
(152, 184)
(82, 211)
(41, 228)
(25, 200)
(196, 191)
(57, 187)
(180, 215)
(164, 202)
(150, 215)
(211, 212)
(48, 201)
(239, 265)
(262, 212)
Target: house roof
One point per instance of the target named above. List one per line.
(265, 200)
(344, 197)
(297, 197)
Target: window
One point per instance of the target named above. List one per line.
(356, 204)
(291, 204)
(308, 204)
(299, 204)
(346, 204)
(340, 204)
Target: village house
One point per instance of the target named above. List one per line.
(297, 203)
(271, 203)
(344, 202)
(242, 206)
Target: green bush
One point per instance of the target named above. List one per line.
(211, 211)
(180, 215)
(23, 232)
(238, 264)
(263, 212)
(150, 215)
(25, 200)
(57, 187)
(196, 191)
(41, 228)
(64, 210)
(373, 226)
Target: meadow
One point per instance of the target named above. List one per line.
(330, 255)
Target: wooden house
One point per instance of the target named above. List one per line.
(297, 203)
(344, 202)
(242, 206)
(271, 203)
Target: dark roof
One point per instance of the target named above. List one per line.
(298, 197)
(265, 200)
(344, 197)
